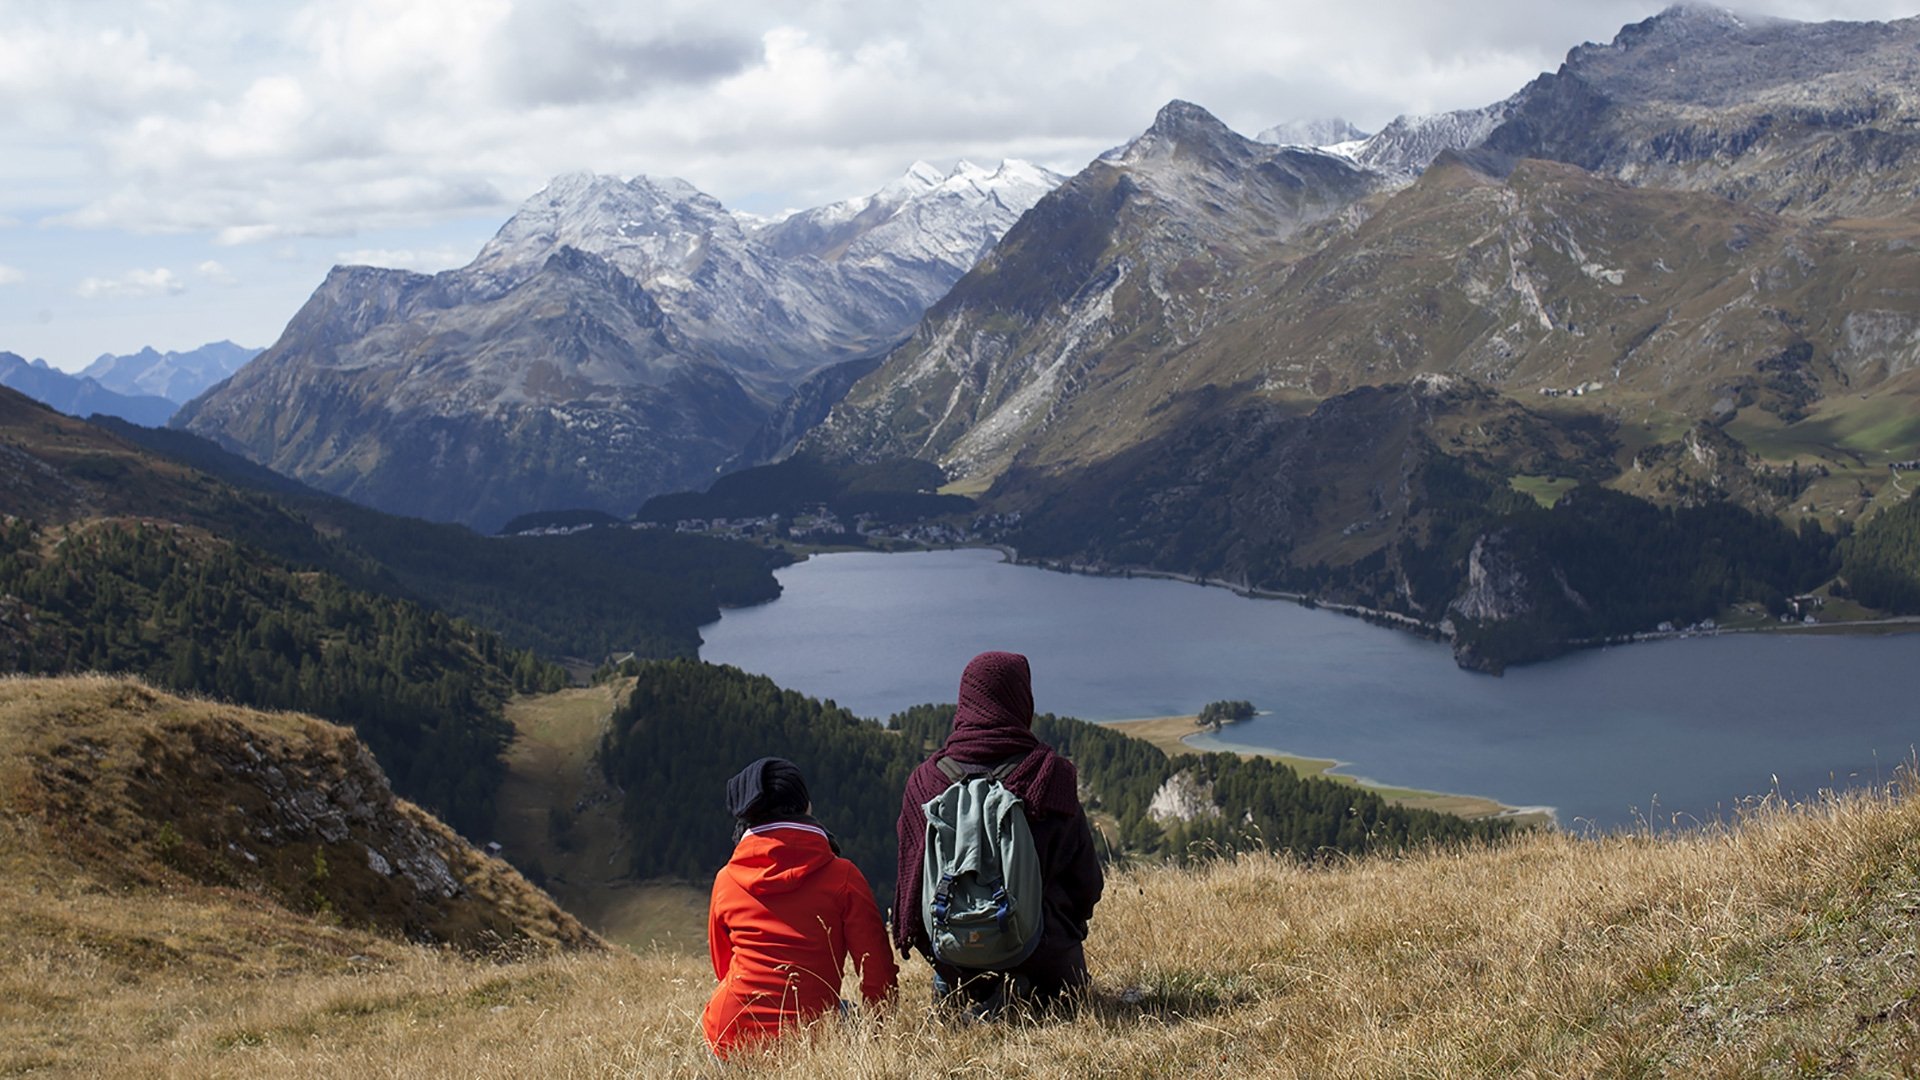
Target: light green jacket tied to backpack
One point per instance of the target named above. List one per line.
(981, 889)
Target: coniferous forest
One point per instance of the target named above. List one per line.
(1881, 562)
(194, 613)
(688, 726)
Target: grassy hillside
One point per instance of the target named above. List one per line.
(1783, 945)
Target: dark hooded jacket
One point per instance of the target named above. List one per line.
(993, 724)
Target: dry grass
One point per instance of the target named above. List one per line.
(1783, 945)
(551, 766)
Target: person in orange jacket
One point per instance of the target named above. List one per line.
(787, 912)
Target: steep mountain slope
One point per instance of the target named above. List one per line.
(581, 595)
(80, 395)
(614, 340)
(177, 376)
(1120, 267)
(1545, 303)
(1810, 119)
(1552, 278)
(432, 397)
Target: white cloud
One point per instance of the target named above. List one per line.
(12, 275)
(54, 75)
(249, 123)
(158, 282)
(425, 261)
(213, 272)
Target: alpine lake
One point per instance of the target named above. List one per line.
(1661, 734)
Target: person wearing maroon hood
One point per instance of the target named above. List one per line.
(994, 724)
(787, 912)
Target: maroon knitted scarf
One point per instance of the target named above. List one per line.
(994, 723)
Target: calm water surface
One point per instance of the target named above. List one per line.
(1610, 736)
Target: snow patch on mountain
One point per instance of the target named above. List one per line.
(1324, 132)
(779, 298)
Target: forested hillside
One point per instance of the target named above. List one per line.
(1881, 562)
(194, 613)
(583, 594)
(688, 726)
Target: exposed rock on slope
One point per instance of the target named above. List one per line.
(425, 396)
(134, 788)
(1111, 273)
(1811, 119)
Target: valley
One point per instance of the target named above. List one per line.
(560, 825)
(1534, 484)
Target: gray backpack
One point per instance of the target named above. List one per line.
(980, 883)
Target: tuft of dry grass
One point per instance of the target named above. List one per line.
(1783, 944)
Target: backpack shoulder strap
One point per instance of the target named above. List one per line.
(955, 772)
(1005, 769)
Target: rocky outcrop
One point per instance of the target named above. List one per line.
(1809, 119)
(1183, 797)
(143, 789)
(1496, 585)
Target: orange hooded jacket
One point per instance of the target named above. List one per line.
(786, 914)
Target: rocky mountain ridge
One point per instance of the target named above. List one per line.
(616, 339)
(1147, 238)
(138, 790)
(79, 395)
(177, 376)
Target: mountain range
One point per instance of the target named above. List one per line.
(1680, 266)
(177, 376)
(1206, 355)
(616, 339)
(80, 395)
(145, 388)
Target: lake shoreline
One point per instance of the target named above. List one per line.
(1891, 624)
(1611, 738)
(1173, 735)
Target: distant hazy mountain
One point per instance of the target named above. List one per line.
(79, 395)
(615, 340)
(177, 376)
(1326, 132)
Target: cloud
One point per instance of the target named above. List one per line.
(214, 273)
(59, 75)
(428, 261)
(10, 275)
(133, 283)
(254, 122)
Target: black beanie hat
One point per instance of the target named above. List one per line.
(770, 789)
